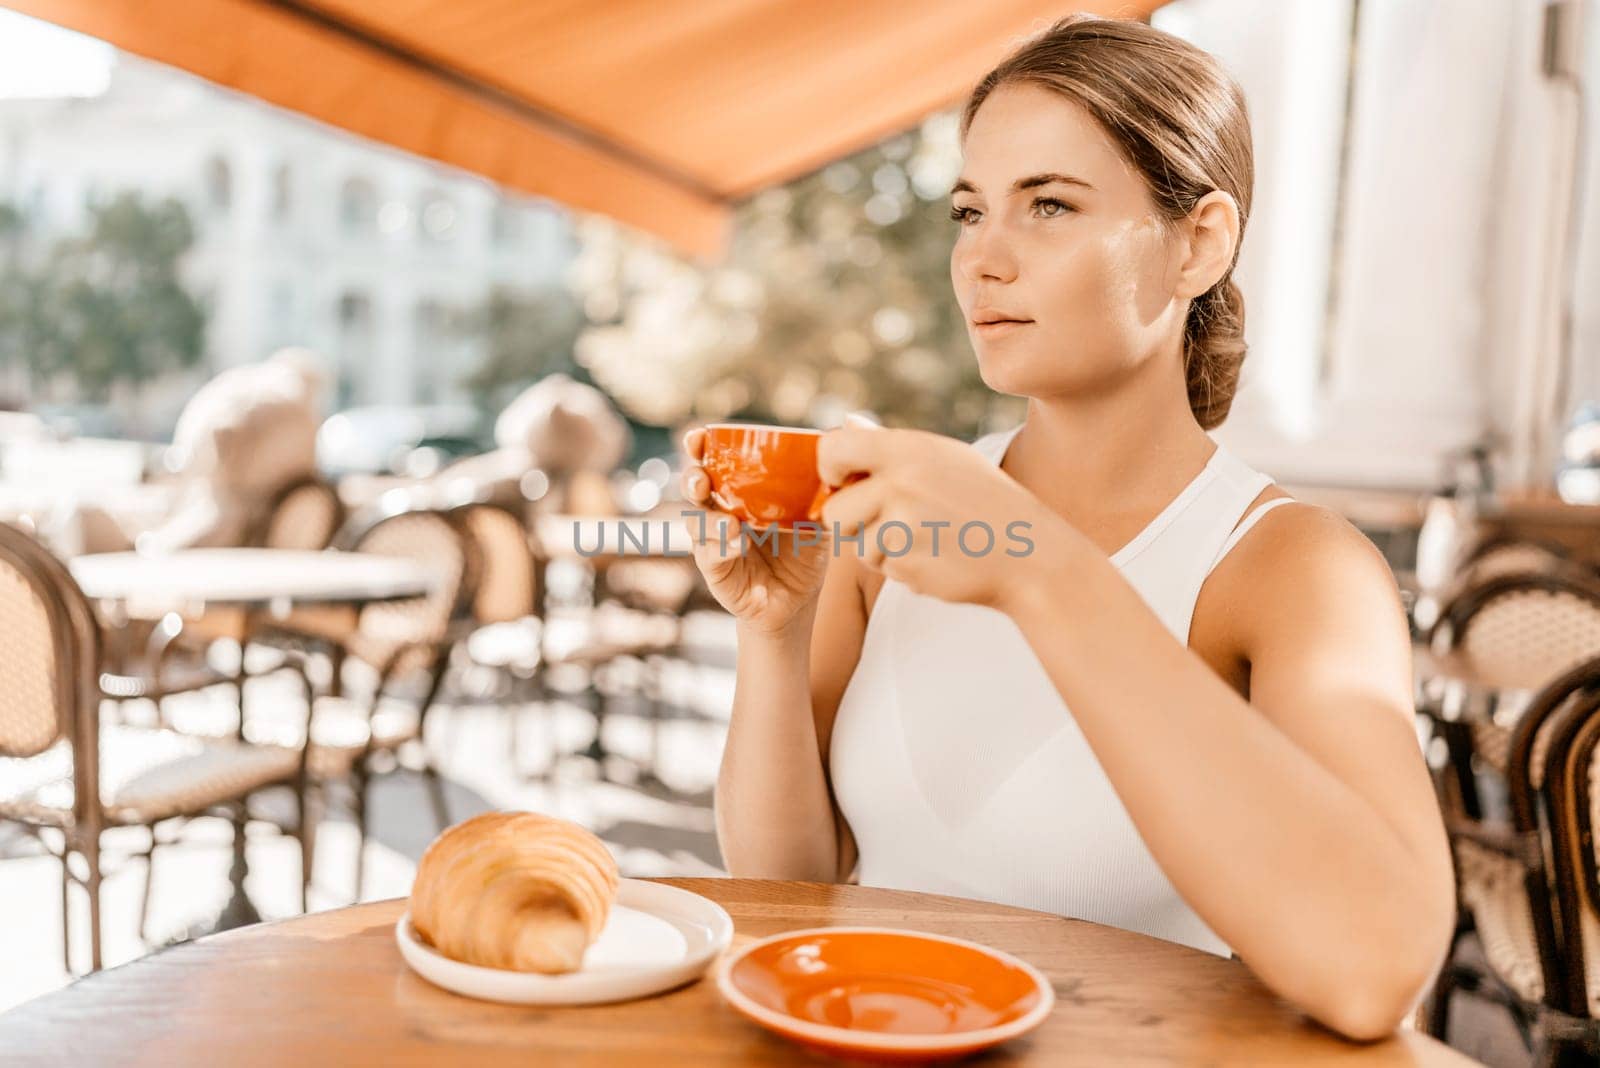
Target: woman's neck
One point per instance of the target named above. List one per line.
(1095, 458)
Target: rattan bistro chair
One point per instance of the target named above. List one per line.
(352, 739)
(64, 777)
(1502, 554)
(305, 514)
(514, 635)
(1517, 632)
(1573, 796)
(1503, 869)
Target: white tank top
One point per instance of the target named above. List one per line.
(960, 769)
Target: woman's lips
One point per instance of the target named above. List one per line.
(1001, 327)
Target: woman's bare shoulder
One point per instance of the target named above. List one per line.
(1298, 559)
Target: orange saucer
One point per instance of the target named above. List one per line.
(883, 995)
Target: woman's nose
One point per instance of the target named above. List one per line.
(986, 256)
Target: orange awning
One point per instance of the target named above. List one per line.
(658, 114)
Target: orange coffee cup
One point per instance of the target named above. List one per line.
(764, 476)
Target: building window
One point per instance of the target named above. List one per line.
(433, 336)
(282, 193)
(358, 206)
(355, 344)
(393, 218)
(280, 311)
(505, 225)
(438, 217)
(355, 312)
(219, 184)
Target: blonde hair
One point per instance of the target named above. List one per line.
(1180, 120)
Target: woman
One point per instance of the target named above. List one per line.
(1187, 710)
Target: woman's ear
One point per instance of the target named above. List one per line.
(1212, 232)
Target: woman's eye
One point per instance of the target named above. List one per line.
(965, 216)
(1050, 208)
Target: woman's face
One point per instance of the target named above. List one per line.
(1058, 237)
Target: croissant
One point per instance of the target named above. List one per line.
(514, 890)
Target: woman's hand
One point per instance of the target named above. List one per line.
(769, 585)
(936, 514)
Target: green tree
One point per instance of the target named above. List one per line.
(526, 336)
(835, 296)
(106, 307)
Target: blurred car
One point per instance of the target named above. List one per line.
(80, 420)
(1578, 476)
(409, 440)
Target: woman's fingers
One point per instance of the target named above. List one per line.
(717, 540)
(853, 506)
(696, 484)
(851, 449)
(694, 443)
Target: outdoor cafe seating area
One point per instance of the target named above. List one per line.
(362, 701)
(277, 685)
(404, 602)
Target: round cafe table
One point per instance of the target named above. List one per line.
(273, 580)
(265, 583)
(331, 989)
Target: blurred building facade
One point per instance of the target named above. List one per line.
(305, 235)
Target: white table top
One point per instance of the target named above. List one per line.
(249, 577)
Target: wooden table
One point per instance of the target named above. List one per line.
(330, 989)
(1543, 514)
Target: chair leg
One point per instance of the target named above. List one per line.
(66, 910)
(656, 709)
(1547, 1052)
(441, 804)
(1438, 1012)
(91, 854)
(358, 783)
(308, 844)
(436, 673)
(336, 657)
(540, 696)
(149, 882)
(513, 711)
(1458, 742)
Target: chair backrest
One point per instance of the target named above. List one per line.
(432, 537)
(1521, 631)
(1505, 555)
(49, 673)
(34, 681)
(305, 515)
(1572, 794)
(1499, 556)
(507, 584)
(1546, 725)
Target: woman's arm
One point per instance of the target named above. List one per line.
(775, 813)
(1301, 824)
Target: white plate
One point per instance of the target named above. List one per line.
(655, 938)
